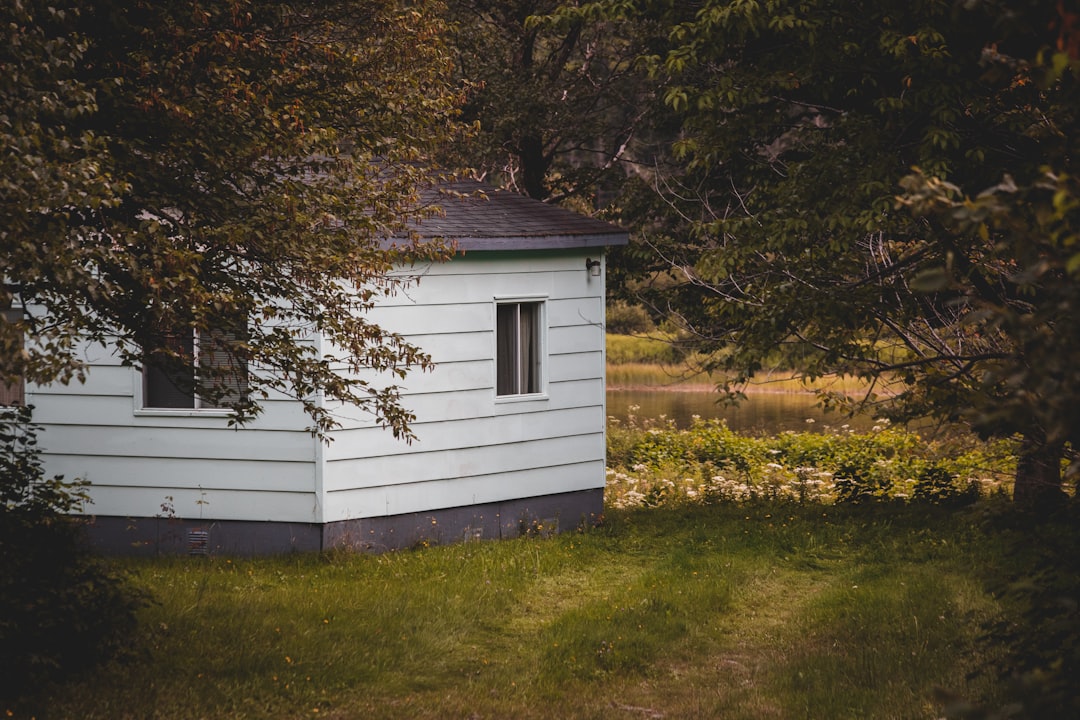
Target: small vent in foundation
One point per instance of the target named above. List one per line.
(198, 542)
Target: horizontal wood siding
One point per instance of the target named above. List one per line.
(532, 421)
(449, 405)
(554, 454)
(468, 490)
(470, 446)
(119, 410)
(220, 505)
(192, 463)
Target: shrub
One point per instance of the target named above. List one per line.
(937, 485)
(626, 319)
(61, 608)
(658, 464)
(622, 349)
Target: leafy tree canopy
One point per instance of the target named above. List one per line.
(885, 189)
(557, 94)
(170, 166)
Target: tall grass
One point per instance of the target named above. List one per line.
(655, 349)
(657, 361)
(650, 375)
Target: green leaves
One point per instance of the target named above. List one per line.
(798, 124)
(174, 163)
(561, 95)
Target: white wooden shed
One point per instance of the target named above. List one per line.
(501, 444)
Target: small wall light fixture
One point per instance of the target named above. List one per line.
(593, 266)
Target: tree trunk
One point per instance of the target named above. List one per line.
(534, 167)
(1038, 472)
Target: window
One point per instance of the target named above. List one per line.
(212, 375)
(15, 393)
(518, 341)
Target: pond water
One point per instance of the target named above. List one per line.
(767, 413)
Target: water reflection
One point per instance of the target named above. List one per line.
(760, 413)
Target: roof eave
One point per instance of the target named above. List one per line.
(530, 242)
(540, 242)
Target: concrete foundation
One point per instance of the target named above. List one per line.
(180, 536)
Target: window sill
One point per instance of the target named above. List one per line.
(532, 397)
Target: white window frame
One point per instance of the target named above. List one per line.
(197, 409)
(541, 350)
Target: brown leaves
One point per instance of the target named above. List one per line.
(217, 156)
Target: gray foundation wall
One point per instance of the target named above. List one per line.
(178, 536)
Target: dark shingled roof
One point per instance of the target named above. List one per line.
(477, 216)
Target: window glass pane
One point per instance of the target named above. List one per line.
(529, 329)
(517, 341)
(214, 355)
(166, 386)
(219, 367)
(506, 381)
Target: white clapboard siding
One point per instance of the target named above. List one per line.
(471, 446)
(208, 475)
(473, 490)
(575, 311)
(178, 443)
(221, 504)
(465, 433)
(419, 466)
(119, 411)
(100, 380)
(113, 381)
(435, 289)
(446, 347)
(474, 366)
(576, 366)
(193, 488)
(135, 458)
(416, 320)
(441, 407)
(451, 376)
(575, 338)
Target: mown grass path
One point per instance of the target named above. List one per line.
(714, 611)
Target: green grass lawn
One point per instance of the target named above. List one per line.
(733, 611)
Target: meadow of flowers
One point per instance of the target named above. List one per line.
(652, 463)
